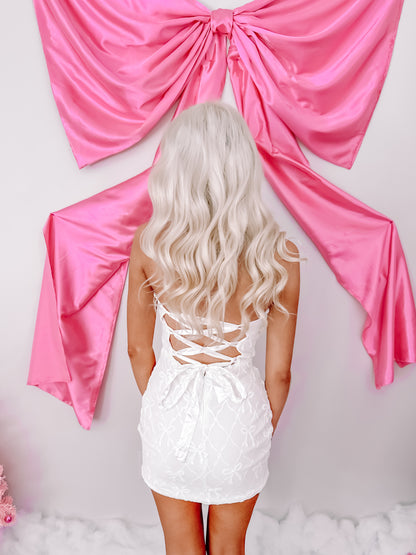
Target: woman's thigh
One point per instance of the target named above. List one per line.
(182, 525)
(227, 526)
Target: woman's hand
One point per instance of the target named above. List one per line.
(142, 363)
(277, 391)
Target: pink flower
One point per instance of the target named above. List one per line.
(7, 514)
(7, 509)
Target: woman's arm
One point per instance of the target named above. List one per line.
(280, 340)
(141, 317)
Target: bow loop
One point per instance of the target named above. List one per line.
(191, 378)
(226, 385)
(187, 379)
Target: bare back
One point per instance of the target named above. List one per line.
(232, 310)
(232, 316)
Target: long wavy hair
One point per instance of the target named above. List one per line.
(209, 219)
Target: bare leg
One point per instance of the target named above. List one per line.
(227, 526)
(182, 525)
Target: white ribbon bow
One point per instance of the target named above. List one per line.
(191, 377)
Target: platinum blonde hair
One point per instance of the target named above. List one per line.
(209, 217)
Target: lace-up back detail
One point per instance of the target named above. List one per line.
(186, 347)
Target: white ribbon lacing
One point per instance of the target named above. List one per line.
(192, 376)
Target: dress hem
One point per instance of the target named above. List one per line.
(238, 499)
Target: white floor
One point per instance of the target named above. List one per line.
(391, 533)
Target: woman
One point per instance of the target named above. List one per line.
(219, 270)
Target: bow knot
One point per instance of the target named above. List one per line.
(222, 21)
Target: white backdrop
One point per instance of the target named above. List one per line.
(341, 445)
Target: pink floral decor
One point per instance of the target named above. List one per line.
(7, 509)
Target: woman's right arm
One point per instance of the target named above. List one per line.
(280, 340)
(141, 317)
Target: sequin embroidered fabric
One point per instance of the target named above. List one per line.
(205, 427)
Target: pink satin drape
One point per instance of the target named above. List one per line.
(302, 69)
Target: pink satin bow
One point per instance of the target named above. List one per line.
(307, 70)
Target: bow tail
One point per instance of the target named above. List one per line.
(195, 386)
(360, 245)
(363, 249)
(88, 246)
(226, 385)
(207, 83)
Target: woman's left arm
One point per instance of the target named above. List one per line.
(141, 317)
(280, 340)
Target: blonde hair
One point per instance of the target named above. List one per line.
(208, 217)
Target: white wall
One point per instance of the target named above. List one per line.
(342, 446)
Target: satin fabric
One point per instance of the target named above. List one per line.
(300, 69)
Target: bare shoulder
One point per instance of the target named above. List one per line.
(293, 249)
(290, 294)
(140, 230)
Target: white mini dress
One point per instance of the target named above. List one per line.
(205, 428)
